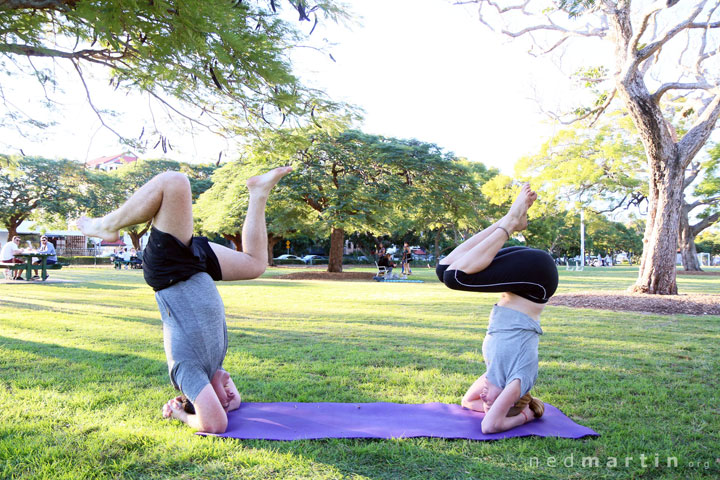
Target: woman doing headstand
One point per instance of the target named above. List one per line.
(527, 278)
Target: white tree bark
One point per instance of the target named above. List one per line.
(641, 37)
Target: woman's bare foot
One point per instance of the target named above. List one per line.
(262, 184)
(516, 218)
(92, 227)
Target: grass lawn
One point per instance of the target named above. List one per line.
(83, 377)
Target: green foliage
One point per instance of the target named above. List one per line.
(228, 58)
(707, 190)
(33, 186)
(708, 241)
(575, 8)
(222, 208)
(601, 167)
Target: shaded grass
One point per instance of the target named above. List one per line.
(83, 377)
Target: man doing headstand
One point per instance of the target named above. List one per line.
(181, 269)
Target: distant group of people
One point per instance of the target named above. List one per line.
(385, 259)
(12, 248)
(126, 258)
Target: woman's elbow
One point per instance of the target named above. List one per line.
(489, 427)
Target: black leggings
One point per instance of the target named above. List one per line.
(527, 272)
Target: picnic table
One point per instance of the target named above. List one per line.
(28, 266)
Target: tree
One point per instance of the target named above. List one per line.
(602, 169)
(706, 193)
(551, 225)
(451, 201)
(647, 49)
(357, 183)
(227, 60)
(223, 207)
(30, 186)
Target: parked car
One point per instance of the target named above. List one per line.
(288, 257)
(350, 259)
(314, 259)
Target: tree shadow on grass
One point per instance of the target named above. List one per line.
(48, 364)
(79, 307)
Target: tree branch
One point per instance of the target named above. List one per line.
(87, 93)
(651, 10)
(644, 53)
(102, 57)
(679, 86)
(60, 5)
(696, 137)
(692, 174)
(704, 223)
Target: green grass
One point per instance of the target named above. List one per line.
(83, 378)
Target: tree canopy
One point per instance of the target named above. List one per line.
(227, 59)
(31, 186)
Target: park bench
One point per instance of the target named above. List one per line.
(10, 267)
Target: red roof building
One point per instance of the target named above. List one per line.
(112, 162)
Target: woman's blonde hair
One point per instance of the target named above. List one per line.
(536, 405)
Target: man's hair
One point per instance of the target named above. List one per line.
(187, 405)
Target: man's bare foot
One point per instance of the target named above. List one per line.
(173, 409)
(262, 184)
(92, 227)
(516, 218)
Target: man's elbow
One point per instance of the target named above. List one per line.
(215, 427)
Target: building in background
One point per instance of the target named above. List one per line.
(112, 162)
(69, 243)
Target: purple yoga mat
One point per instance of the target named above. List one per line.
(303, 421)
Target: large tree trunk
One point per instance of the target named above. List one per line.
(657, 267)
(235, 239)
(437, 246)
(686, 242)
(272, 240)
(337, 240)
(12, 225)
(12, 229)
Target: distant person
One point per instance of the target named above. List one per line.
(48, 248)
(380, 252)
(386, 261)
(406, 259)
(181, 268)
(7, 256)
(527, 278)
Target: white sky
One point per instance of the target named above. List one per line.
(422, 69)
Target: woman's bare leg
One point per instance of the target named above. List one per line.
(252, 261)
(166, 200)
(477, 253)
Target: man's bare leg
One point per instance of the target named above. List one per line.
(166, 200)
(252, 261)
(209, 414)
(483, 249)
